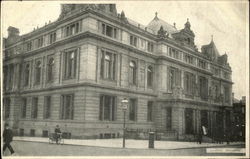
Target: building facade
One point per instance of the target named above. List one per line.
(74, 72)
(239, 119)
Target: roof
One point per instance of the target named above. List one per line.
(236, 100)
(211, 50)
(156, 24)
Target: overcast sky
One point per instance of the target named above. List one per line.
(226, 21)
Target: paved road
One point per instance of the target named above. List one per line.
(24, 148)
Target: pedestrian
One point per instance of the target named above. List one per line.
(7, 138)
(199, 137)
(57, 133)
(228, 136)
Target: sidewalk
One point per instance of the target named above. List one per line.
(117, 143)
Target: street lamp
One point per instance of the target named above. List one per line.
(124, 108)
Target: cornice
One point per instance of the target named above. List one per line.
(84, 84)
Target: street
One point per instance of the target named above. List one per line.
(26, 148)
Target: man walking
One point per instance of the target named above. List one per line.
(7, 138)
(57, 133)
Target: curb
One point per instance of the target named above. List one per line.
(135, 148)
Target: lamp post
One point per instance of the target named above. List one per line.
(124, 108)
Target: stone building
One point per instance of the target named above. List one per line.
(75, 71)
(239, 119)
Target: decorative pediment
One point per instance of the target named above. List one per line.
(162, 33)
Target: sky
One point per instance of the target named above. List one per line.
(227, 21)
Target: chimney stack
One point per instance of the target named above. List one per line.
(12, 31)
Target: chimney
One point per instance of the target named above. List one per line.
(12, 31)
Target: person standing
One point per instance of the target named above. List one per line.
(199, 136)
(57, 133)
(7, 138)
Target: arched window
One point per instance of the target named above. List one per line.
(150, 76)
(132, 72)
(38, 72)
(26, 74)
(50, 69)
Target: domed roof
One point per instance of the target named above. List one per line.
(156, 24)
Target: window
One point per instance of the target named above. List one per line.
(226, 75)
(169, 118)
(150, 47)
(70, 64)
(150, 76)
(34, 109)
(38, 72)
(203, 84)
(150, 111)
(108, 65)
(6, 102)
(132, 109)
(29, 45)
(72, 29)
(26, 74)
(109, 31)
(133, 40)
(5, 79)
(189, 121)
(204, 118)
(173, 53)
(40, 42)
(202, 64)
(32, 132)
(67, 107)
(189, 59)
(174, 78)
(107, 108)
(23, 108)
(215, 71)
(45, 133)
(189, 83)
(52, 37)
(142, 77)
(226, 94)
(21, 132)
(47, 107)
(50, 70)
(10, 75)
(132, 72)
